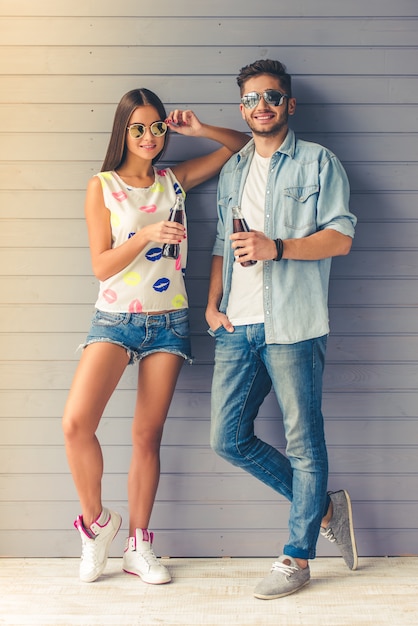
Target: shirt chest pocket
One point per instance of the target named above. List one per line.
(299, 209)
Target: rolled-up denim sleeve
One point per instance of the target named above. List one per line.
(333, 200)
(218, 248)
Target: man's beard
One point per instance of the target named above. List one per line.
(271, 132)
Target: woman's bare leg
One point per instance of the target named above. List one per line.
(99, 371)
(157, 379)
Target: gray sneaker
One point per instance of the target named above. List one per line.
(285, 578)
(340, 529)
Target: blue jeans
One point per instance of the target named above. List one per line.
(142, 334)
(245, 370)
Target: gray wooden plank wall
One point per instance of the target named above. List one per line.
(63, 67)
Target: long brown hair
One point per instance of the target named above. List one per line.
(116, 150)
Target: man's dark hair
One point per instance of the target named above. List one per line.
(266, 66)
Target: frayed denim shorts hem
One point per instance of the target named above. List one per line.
(142, 334)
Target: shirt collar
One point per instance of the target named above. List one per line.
(288, 146)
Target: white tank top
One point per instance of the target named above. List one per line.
(150, 282)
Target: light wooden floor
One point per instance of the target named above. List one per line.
(383, 591)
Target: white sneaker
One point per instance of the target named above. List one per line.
(96, 542)
(139, 559)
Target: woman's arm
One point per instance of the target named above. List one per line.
(195, 171)
(107, 261)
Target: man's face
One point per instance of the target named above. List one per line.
(267, 120)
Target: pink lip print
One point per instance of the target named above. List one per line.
(119, 195)
(150, 208)
(178, 262)
(135, 307)
(161, 172)
(110, 296)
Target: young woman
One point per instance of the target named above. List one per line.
(141, 317)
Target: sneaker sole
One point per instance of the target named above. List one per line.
(352, 537)
(261, 596)
(149, 581)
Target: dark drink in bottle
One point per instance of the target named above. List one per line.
(172, 250)
(239, 225)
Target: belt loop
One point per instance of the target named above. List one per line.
(167, 320)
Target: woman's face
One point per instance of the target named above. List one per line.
(149, 144)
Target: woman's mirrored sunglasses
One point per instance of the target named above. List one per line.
(137, 131)
(271, 96)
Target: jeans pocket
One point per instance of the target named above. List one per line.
(216, 332)
(181, 328)
(102, 318)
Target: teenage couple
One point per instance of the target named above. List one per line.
(269, 319)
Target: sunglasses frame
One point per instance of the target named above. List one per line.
(144, 128)
(263, 95)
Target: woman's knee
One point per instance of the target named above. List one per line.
(147, 439)
(76, 427)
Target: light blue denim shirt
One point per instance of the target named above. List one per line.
(307, 191)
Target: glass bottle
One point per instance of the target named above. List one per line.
(172, 250)
(239, 225)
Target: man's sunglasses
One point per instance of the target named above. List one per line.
(137, 131)
(271, 96)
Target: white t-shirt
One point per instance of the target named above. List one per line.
(245, 303)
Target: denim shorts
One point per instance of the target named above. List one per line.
(142, 334)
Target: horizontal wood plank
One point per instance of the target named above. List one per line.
(206, 89)
(26, 175)
(383, 263)
(241, 516)
(37, 146)
(37, 404)
(356, 117)
(347, 348)
(279, 8)
(20, 463)
(357, 320)
(87, 59)
(195, 430)
(209, 31)
(44, 543)
(338, 376)
(371, 207)
(83, 290)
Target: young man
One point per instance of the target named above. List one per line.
(270, 319)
